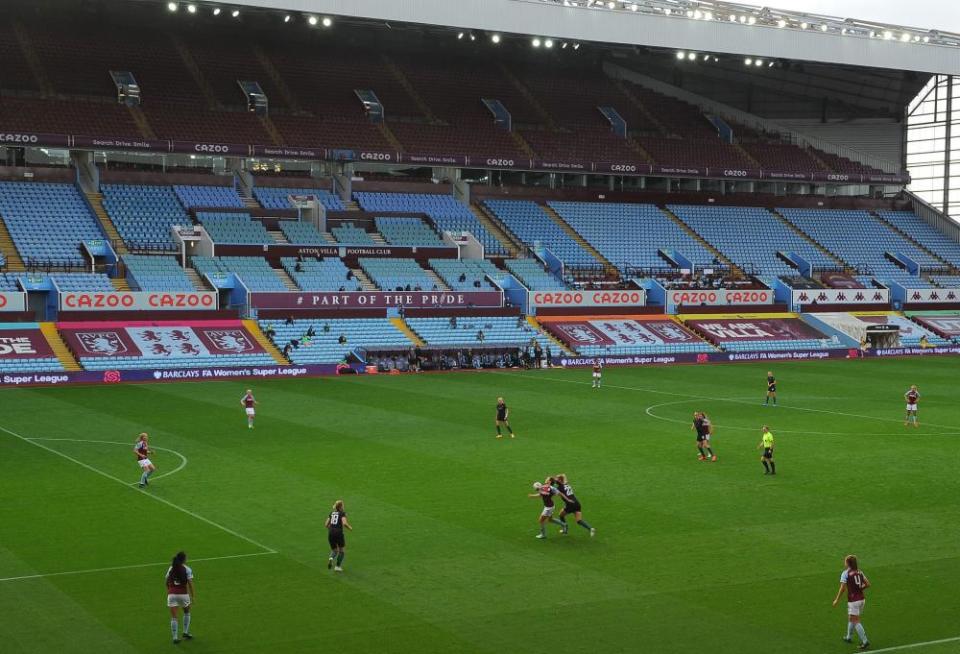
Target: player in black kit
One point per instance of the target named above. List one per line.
(771, 389)
(503, 418)
(571, 505)
(335, 524)
(701, 424)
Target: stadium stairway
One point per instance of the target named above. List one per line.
(351, 205)
(279, 237)
(746, 155)
(442, 285)
(9, 250)
(639, 105)
(196, 279)
(402, 79)
(404, 329)
(915, 242)
(271, 129)
(287, 280)
(820, 162)
(810, 239)
(278, 82)
(522, 144)
(264, 342)
(194, 69)
(143, 125)
(494, 226)
(365, 282)
(582, 242)
(693, 234)
(33, 61)
(528, 95)
(388, 134)
(96, 203)
(120, 283)
(60, 349)
(535, 324)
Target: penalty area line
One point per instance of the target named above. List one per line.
(129, 567)
(928, 643)
(266, 550)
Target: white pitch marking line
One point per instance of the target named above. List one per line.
(898, 648)
(190, 513)
(183, 459)
(714, 399)
(129, 567)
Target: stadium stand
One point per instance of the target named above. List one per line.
(208, 196)
(271, 197)
(156, 273)
(47, 221)
(255, 272)
(321, 275)
(82, 281)
(299, 232)
(350, 234)
(332, 340)
(143, 215)
(398, 274)
(234, 228)
(923, 233)
(407, 231)
(531, 225)
(631, 234)
(465, 275)
(502, 331)
(447, 213)
(533, 275)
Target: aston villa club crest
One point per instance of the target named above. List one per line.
(230, 340)
(102, 344)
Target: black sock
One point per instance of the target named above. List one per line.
(498, 431)
(563, 519)
(710, 451)
(583, 523)
(701, 451)
(511, 429)
(773, 467)
(766, 466)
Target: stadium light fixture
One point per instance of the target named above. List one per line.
(804, 25)
(681, 55)
(235, 13)
(576, 46)
(926, 39)
(758, 62)
(460, 36)
(548, 43)
(692, 56)
(172, 6)
(535, 42)
(752, 20)
(823, 28)
(287, 18)
(192, 9)
(611, 4)
(748, 61)
(312, 20)
(473, 37)
(634, 7)
(708, 15)
(216, 11)
(781, 23)
(887, 35)
(327, 21)
(564, 46)
(495, 38)
(904, 37)
(770, 65)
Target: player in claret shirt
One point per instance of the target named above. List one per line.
(248, 403)
(912, 397)
(142, 450)
(854, 582)
(545, 492)
(179, 580)
(597, 372)
(771, 389)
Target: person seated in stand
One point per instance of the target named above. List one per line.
(298, 267)
(286, 350)
(462, 278)
(417, 288)
(349, 274)
(326, 328)
(289, 320)
(453, 322)
(476, 283)
(408, 288)
(310, 332)
(925, 342)
(342, 340)
(270, 332)
(480, 336)
(295, 343)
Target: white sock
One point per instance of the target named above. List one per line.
(186, 623)
(861, 633)
(173, 627)
(849, 630)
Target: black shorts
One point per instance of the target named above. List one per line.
(336, 539)
(772, 389)
(767, 453)
(702, 438)
(501, 419)
(572, 508)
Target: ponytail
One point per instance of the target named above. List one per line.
(178, 571)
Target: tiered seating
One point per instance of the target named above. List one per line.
(325, 346)
(844, 165)
(447, 213)
(780, 346)
(533, 275)
(234, 228)
(501, 330)
(694, 153)
(153, 273)
(299, 232)
(782, 156)
(581, 144)
(946, 281)
(65, 117)
(479, 139)
(144, 214)
(750, 237)
(531, 224)
(255, 272)
(321, 275)
(398, 274)
(631, 234)
(407, 231)
(858, 238)
(277, 198)
(82, 282)
(923, 233)
(8, 282)
(350, 234)
(465, 275)
(208, 196)
(47, 221)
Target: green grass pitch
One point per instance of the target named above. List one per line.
(689, 557)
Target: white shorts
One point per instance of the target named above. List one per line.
(855, 608)
(250, 411)
(547, 511)
(178, 600)
(911, 407)
(596, 375)
(144, 463)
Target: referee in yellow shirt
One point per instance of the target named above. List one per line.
(766, 442)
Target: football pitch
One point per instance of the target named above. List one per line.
(689, 556)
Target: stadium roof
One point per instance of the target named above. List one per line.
(714, 27)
